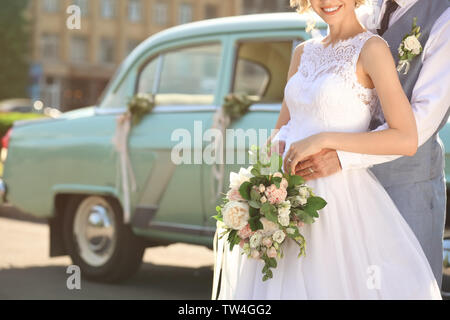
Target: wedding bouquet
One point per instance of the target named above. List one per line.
(264, 208)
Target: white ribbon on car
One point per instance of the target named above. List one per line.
(221, 121)
(120, 142)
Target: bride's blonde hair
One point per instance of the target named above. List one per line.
(303, 5)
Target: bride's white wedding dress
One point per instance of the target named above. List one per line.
(360, 247)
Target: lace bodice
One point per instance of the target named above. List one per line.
(325, 95)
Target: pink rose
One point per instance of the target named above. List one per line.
(275, 195)
(272, 252)
(278, 175)
(234, 195)
(267, 242)
(246, 232)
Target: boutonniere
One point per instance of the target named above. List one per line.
(409, 48)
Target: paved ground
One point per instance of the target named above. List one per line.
(178, 271)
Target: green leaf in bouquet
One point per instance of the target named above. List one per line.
(218, 217)
(270, 212)
(254, 204)
(255, 195)
(254, 212)
(291, 192)
(255, 224)
(272, 262)
(255, 171)
(233, 238)
(304, 216)
(295, 180)
(218, 209)
(244, 190)
(316, 203)
(276, 181)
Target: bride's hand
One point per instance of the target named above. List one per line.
(302, 149)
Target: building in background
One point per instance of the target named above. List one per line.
(70, 68)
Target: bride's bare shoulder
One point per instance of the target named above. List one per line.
(374, 47)
(297, 55)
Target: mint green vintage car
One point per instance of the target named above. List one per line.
(66, 169)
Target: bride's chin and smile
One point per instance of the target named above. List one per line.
(340, 16)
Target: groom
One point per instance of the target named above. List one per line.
(416, 184)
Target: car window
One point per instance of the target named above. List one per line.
(185, 76)
(261, 69)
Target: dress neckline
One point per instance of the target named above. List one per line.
(342, 41)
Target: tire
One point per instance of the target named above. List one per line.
(97, 240)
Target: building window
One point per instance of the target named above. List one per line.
(210, 11)
(51, 6)
(83, 5)
(108, 9)
(107, 50)
(50, 46)
(134, 10)
(185, 13)
(161, 13)
(79, 49)
(261, 6)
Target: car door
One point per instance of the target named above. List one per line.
(185, 80)
(259, 69)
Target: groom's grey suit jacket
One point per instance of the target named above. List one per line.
(417, 184)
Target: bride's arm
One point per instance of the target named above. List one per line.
(284, 115)
(399, 138)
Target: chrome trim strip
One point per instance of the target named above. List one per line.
(183, 228)
(181, 108)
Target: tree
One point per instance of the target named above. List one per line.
(15, 49)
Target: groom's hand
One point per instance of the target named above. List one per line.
(319, 165)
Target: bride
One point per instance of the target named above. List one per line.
(360, 247)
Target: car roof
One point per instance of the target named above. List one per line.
(243, 23)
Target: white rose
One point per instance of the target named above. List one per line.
(269, 227)
(412, 44)
(255, 254)
(255, 240)
(278, 236)
(303, 192)
(290, 230)
(262, 188)
(237, 179)
(400, 51)
(284, 220)
(263, 199)
(303, 201)
(236, 214)
(284, 211)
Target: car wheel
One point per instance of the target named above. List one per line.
(98, 241)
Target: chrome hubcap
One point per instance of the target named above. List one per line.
(95, 231)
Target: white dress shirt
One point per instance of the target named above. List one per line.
(431, 94)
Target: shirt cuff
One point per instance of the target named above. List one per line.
(350, 160)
